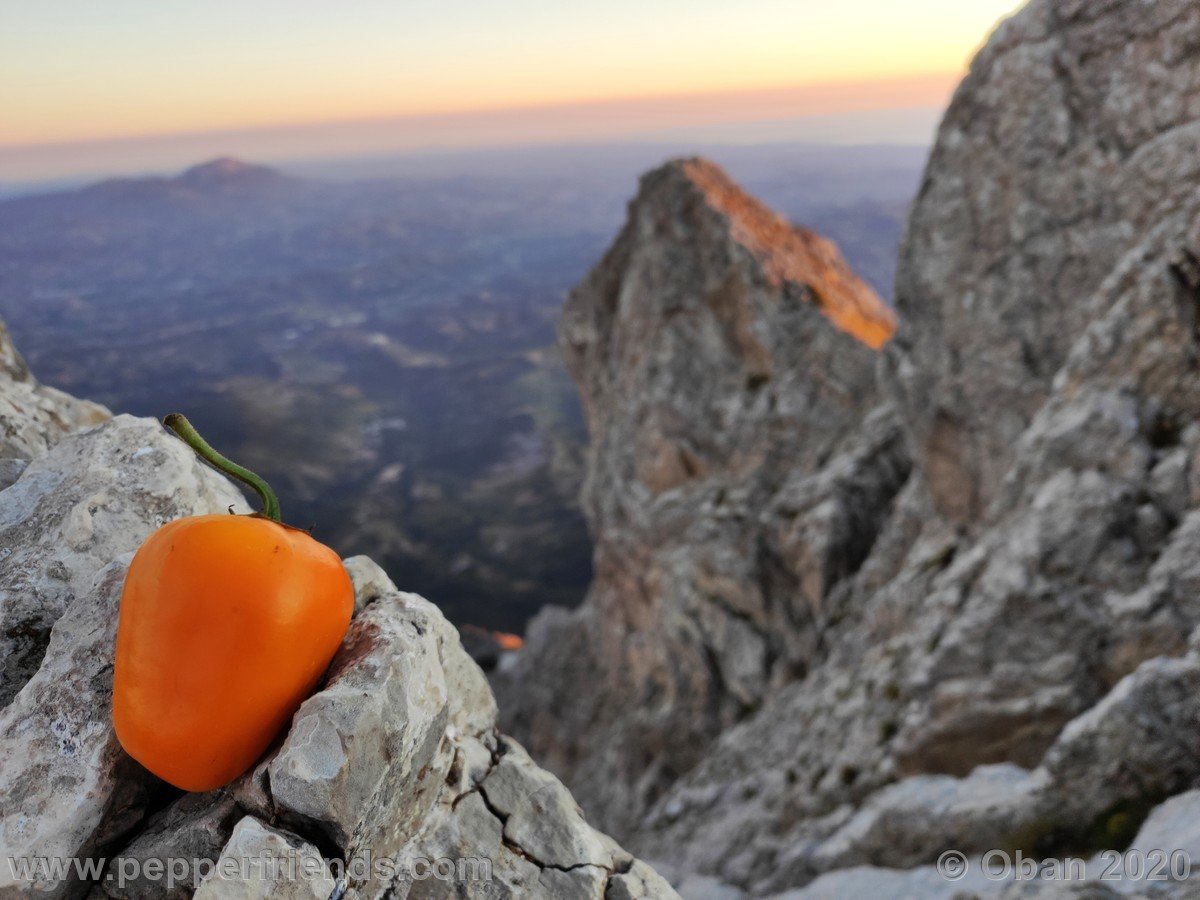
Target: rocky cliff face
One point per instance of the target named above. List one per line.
(738, 473)
(392, 779)
(1067, 143)
(959, 609)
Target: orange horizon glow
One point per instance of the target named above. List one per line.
(81, 72)
(235, 110)
(895, 110)
(887, 91)
(771, 101)
(226, 116)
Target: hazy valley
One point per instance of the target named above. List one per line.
(380, 345)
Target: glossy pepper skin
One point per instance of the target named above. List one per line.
(227, 623)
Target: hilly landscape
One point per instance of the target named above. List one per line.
(380, 345)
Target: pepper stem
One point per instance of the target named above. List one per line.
(179, 424)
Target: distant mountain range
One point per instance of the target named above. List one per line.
(219, 176)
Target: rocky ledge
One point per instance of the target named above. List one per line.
(392, 779)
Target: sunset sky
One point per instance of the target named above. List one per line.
(82, 71)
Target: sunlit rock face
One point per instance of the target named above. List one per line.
(960, 607)
(738, 473)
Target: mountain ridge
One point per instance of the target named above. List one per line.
(959, 613)
(219, 177)
(705, 344)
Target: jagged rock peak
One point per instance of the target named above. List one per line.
(790, 253)
(786, 253)
(736, 475)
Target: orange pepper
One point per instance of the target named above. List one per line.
(227, 623)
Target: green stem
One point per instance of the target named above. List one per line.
(179, 424)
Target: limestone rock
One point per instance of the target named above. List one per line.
(924, 883)
(639, 881)
(541, 818)
(523, 824)
(68, 788)
(33, 417)
(1073, 133)
(965, 608)
(263, 863)
(376, 787)
(90, 499)
(365, 757)
(1174, 824)
(706, 345)
(903, 823)
(192, 831)
(369, 580)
